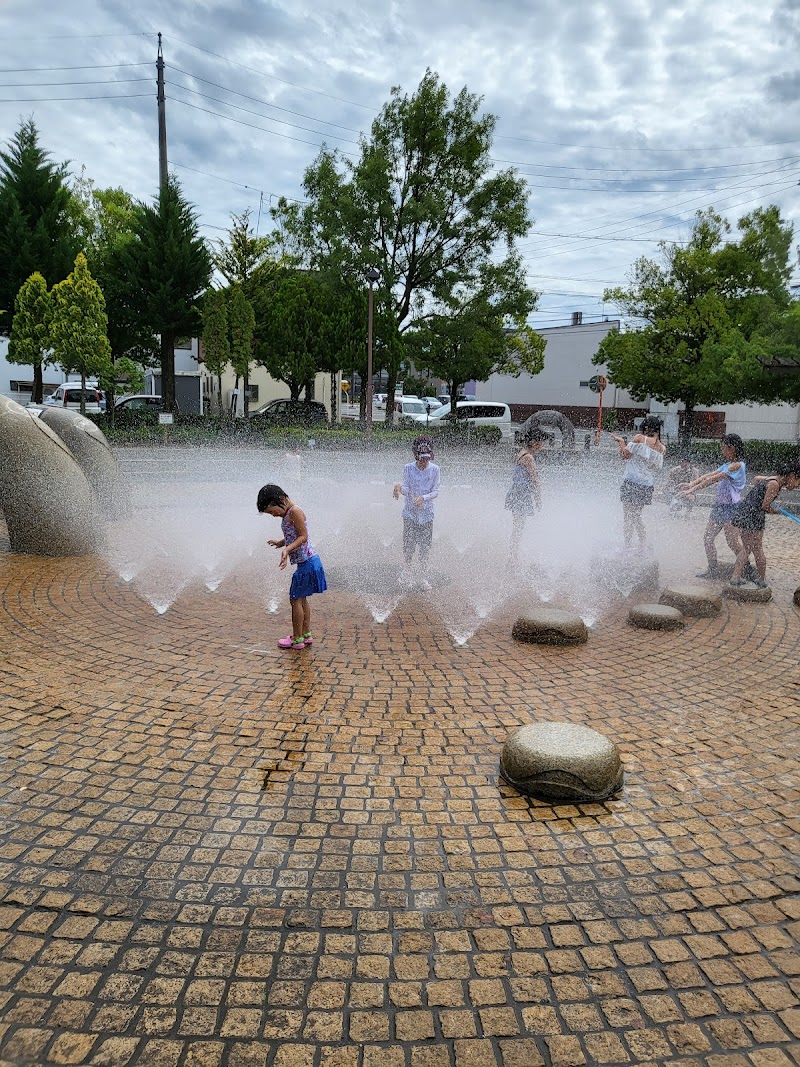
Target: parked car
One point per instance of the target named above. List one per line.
(379, 400)
(443, 398)
(473, 412)
(409, 409)
(138, 402)
(68, 395)
(431, 403)
(292, 413)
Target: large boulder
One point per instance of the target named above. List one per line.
(697, 601)
(48, 504)
(94, 456)
(562, 761)
(548, 626)
(656, 617)
(625, 574)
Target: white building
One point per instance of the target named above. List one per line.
(563, 385)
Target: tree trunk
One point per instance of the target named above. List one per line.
(168, 373)
(246, 384)
(391, 385)
(294, 390)
(334, 399)
(83, 392)
(220, 403)
(362, 404)
(685, 435)
(38, 389)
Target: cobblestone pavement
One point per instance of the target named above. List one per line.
(213, 854)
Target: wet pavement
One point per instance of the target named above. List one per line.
(214, 853)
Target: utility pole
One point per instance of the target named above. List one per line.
(162, 119)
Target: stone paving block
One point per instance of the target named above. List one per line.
(215, 856)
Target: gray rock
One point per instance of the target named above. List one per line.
(562, 761)
(656, 617)
(94, 456)
(48, 504)
(697, 601)
(797, 596)
(548, 626)
(747, 594)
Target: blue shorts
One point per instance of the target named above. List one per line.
(308, 578)
(722, 514)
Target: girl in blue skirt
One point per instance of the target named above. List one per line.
(296, 547)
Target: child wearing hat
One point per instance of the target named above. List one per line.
(419, 488)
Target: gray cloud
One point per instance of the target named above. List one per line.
(629, 94)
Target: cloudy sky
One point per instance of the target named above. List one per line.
(624, 118)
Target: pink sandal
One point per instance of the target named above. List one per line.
(289, 642)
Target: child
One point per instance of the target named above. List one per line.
(525, 496)
(644, 456)
(420, 487)
(730, 478)
(309, 578)
(750, 519)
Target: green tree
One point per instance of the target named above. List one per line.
(241, 323)
(483, 332)
(30, 333)
(78, 328)
(216, 338)
(288, 322)
(170, 266)
(36, 224)
(105, 221)
(238, 258)
(707, 310)
(423, 204)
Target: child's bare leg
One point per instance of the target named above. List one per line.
(627, 523)
(639, 524)
(758, 554)
(306, 615)
(297, 617)
(742, 556)
(517, 524)
(732, 537)
(709, 537)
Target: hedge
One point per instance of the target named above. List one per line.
(759, 455)
(142, 428)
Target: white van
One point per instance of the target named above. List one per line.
(475, 413)
(68, 395)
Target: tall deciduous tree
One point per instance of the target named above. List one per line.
(241, 323)
(707, 308)
(29, 342)
(216, 337)
(171, 265)
(78, 328)
(36, 223)
(423, 204)
(106, 224)
(482, 332)
(288, 324)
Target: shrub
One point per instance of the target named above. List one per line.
(760, 456)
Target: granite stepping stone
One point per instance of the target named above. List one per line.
(656, 617)
(698, 601)
(747, 594)
(549, 626)
(562, 761)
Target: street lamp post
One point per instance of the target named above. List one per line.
(372, 277)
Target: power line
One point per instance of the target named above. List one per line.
(623, 148)
(241, 122)
(79, 36)
(241, 185)
(68, 99)
(263, 74)
(103, 81)
(88, 66)
(258, 100)
(257, 114)
(590, 237)
(620, 181)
